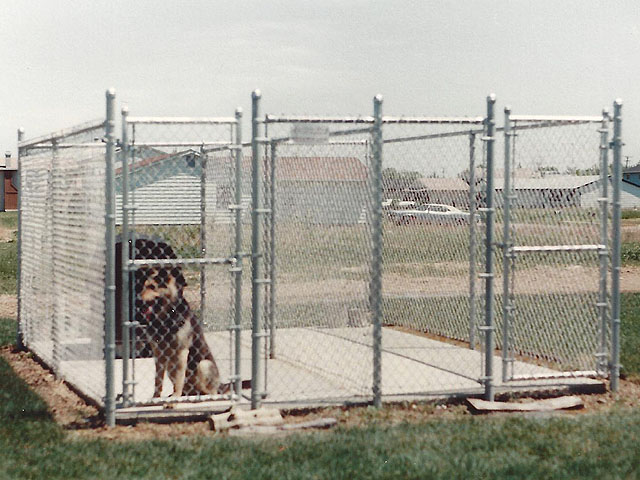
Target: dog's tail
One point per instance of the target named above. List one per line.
(227, 387)
(207, 377)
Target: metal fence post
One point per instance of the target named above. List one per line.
(489, 260)
(257, 256)
(272, 251)
(124, 256)
(376, 251)
(110, 288)
(615, 255)
(238, 255)
(604, 240)
(203, 232)
(19, 332)
(472, 240)
(507, 253)
(51, 219)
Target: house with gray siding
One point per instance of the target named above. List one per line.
(560, 191)
(448, 191)
(548, 191)
(321, 190)
(317, 190)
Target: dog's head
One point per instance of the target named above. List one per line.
(159, 291)
(159, 294)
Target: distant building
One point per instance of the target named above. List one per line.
(321, 190)
(548, 191)
(449, 191)
(9, 185)
(632, 175)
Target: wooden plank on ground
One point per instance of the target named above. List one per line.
(237, 418)
(549, 404)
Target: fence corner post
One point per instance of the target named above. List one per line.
(489, 253)
(507, 193)
(257, 257)
(375, 293)
(19, 332)
(615, 260)
(110, 287)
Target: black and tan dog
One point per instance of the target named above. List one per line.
(174, 333)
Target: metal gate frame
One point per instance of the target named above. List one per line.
(608, 250)
(130, 264)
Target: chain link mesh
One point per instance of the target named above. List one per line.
(435, 179)
(556, 231)
(318, 250)
(63, 254)
(321, 207)
(180, 187)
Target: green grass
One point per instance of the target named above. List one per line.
(8, 267)
(9, 220)
(8, 255)
(630, 334)
(630, 253)
(629, 214)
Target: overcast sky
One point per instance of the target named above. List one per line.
(205, 57)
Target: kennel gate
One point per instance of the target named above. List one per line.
(573, 323)
(180, 193)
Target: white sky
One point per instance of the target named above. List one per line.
(204, 57)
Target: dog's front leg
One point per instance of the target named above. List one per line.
(160, 369)
(179, 371)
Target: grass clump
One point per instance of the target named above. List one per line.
(630, 214)
(630, 253)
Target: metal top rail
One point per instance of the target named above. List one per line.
(556, 118)
(182, 120)
(434, 120)
(368, 119)
(67, 132)
(49, 146)
(313, 119)
(195, 143)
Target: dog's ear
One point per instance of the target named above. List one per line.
(164, 250)
(176, 272)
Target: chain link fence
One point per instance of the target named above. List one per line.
(390, 257)
(62, 252)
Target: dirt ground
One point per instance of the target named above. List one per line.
(82, 420)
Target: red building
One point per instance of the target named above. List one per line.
(9, 187)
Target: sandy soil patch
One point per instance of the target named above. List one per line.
(8, 306)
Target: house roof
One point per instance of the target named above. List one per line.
(555, 182)
(441, 184)
(321, 168)
(152, 156)
(635, 169)
(518, 173)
